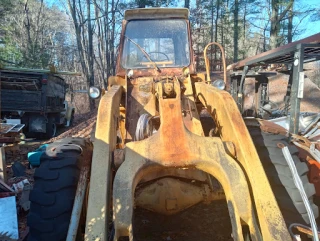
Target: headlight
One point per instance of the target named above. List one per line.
(94, 92)
(130, 73)
(219, 83)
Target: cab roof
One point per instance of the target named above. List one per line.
(156, 13)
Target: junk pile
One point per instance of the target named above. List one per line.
(14, 194)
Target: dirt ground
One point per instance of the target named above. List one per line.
(205, 222)
(201, 222)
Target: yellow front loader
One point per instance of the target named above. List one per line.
(153, 147)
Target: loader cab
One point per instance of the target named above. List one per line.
(156, 37)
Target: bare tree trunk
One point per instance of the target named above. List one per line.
(113, 29)
(290, 25)
(141, 3)
(264, 40)
(274, 24)
(198, 23)
(276, 18)
(90, 52)
(244, 30)
(222, 25)
(235, 31)
(38, 21)
(28, 27)
(107, 32)
(72, 8)
(216, 29)
(211, 36)
(84, 41)
(100, 62)
(187, 3)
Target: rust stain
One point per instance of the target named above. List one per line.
(314, 174)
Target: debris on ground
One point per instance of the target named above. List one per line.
(20, 173)
(34, 156)
(80, 128)
(24, 201)
(5, 188)
(18, 187)
(18, 169)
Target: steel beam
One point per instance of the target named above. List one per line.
(241, 88)
(296, 89)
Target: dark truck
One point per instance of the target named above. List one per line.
(35, 99)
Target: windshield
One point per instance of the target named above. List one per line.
(165, 41)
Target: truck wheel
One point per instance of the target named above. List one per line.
(72, 118)
(54, 190)
(51, 129)
(280, 177)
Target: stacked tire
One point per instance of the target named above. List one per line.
(54, 190)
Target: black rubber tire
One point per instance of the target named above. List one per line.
(71, 119)
(54, 190)
(280, 177)
(51, 129)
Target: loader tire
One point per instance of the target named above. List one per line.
(280, 177)
(54, 190)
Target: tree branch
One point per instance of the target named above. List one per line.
(285, 11)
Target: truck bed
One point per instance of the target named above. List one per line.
(31, 92)
(20, 100)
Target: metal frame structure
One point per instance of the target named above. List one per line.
(295, 54)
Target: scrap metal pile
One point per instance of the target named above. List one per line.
(20, 160)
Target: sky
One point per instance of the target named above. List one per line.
(312, 28)
(309, 27)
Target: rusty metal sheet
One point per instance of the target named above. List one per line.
(312, 39)
(192, 118)
(271, 127)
